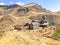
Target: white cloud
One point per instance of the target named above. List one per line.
(19, 3)
(2, 4)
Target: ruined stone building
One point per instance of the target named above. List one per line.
(44, 22)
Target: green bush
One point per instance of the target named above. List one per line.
(57, 32)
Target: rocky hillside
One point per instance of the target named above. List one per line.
(10, 35)
(52, 18)
(29, 10)
(3, 9)
(16, 22)
(18, 10)
(36, 7)
(7, 21)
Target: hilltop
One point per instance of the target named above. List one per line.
(16, 9)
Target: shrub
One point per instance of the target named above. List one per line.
(57, 32)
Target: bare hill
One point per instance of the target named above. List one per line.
(16, 21)
(18, 10)
(7, 21)
(58, 12)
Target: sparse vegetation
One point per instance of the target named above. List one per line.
(57, 32)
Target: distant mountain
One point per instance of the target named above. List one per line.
(36, 7)
(58, 12)
(19, 10)
(13, 6)
(3, 9)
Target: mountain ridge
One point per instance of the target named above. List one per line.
(24, 8)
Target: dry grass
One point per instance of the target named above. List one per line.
(7, 21)
(26, 37)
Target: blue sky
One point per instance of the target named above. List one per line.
(53, 5)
